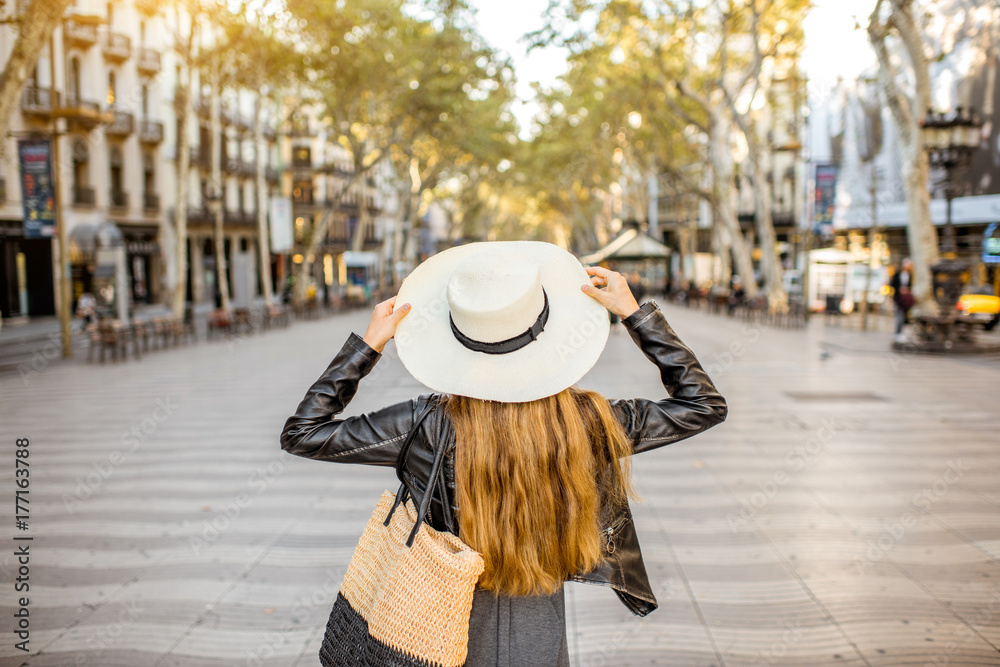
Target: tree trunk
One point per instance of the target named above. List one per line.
(182, 162)
(777, 300)
(36, 25)
(722, 175)
(217, 192)
(722, 250)
(920, 232)
(402, 230)
(264, 241)
(358, 240)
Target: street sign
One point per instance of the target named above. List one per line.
(37, 187)
(281, 224)
(826, 197)
(991, 244)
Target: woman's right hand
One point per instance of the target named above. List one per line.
(616, 296)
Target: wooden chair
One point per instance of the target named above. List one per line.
(241, 322)
(110, 337)
(219, 321)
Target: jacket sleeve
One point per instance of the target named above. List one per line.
(375, 438)
(693, 405)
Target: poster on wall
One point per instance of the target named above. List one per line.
(37, 187)
(281, 224)
(826, 196)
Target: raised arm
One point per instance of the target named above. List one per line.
(694, 404)
(315, 432)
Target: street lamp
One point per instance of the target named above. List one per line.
(950, 141)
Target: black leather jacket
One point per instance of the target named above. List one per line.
(375, 438)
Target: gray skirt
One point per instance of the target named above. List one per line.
(517, 631)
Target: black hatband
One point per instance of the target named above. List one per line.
(511, 344)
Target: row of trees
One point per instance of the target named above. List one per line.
(411, 83)
(408, 82)
(675, 88)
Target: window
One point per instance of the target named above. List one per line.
(142, 32)
(74, 78)
(81, 180)
(145, 101)
(117, 181)
(112, 84)
(111, 15)
(148, 175)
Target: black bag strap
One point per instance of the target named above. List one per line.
(404, 491)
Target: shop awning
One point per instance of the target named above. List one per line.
(629, 245)
(85, 239)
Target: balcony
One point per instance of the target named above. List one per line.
(150, 201)
(148, 61)
(150, 131)
(83, 113)
(117, 47)
(118, 199)
(81, 31)
(245, 168)
(122, 125)
(83, 195)
(241, 218)
(200, 216)
(148, 7)
(37, 101)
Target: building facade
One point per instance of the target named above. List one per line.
(105, 89)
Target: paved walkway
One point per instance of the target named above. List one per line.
(847, 512)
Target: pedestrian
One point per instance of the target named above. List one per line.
(902, 295)
(635, 286)
(537, 469)
(737, 294)
(86, 310)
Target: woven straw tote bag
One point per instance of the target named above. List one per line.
(407, 595)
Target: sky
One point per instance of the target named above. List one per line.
(833, 46)
(503, 24)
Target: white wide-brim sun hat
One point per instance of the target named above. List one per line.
(501, 321)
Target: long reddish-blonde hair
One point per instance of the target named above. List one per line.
(526, 485)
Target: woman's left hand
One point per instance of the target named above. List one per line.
(382, 326)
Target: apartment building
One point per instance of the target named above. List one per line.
(104, 88)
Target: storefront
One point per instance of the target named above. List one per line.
(26, 286)
(141, 257)
(98, 265)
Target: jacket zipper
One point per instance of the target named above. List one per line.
(608, 533)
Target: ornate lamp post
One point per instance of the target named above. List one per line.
(950, 141)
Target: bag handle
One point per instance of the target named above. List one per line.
(404, 489)
(425, 502)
